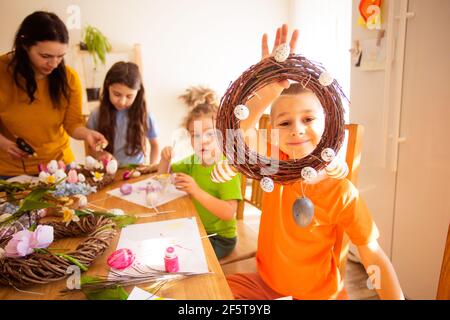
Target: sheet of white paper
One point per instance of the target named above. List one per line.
(138, 196)
(149, 241)
(23, 179)
(139, 294)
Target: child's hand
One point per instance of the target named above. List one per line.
(186, 183)
(280, 38)
(167, 154)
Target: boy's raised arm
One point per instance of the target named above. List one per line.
(267, 95)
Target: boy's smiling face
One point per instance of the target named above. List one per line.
(300, 121)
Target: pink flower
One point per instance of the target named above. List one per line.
(24, 242)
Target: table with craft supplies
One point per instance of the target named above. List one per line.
(212, 285)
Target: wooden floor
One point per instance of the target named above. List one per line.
(355, 279)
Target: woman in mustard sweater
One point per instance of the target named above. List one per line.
(40, 98)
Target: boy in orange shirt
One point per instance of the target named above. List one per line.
(294, 261)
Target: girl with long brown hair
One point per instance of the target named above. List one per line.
(123, 117)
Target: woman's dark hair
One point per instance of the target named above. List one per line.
(39, 26)
(126, 73)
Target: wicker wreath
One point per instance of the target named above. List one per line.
(296, 68)
(41, 268)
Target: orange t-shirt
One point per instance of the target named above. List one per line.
(297, 261)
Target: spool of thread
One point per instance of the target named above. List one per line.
(171, 260)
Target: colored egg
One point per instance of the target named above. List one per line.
(303, 211)
(126, 189)
(121, 259)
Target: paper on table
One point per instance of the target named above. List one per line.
(139, 294)
(138, 196)
(149, 241)
(23, 179)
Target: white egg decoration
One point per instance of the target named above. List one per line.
(267, 184)
(81, 178)
(309, 173)
(326, 79)
(328, 154)
(222, 172)
(136, 174)
(43, 176)
(241, 112)
(117, 212)
(60, 175)
(281, 53)
(111, 167)
(91, 163)
(52, 166)
(82, 200)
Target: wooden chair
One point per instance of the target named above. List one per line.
(353, 159)
(247, 238)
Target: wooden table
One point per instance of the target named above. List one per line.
(202, 287)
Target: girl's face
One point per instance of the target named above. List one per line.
(45, 56)
(121, 96)
(203, 139)
(300, 121)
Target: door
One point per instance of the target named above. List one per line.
(422, 202)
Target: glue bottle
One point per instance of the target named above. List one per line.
(171, 260)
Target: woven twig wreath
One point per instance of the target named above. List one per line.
(296, 68)
(40, 268)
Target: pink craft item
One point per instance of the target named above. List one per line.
(121, 259)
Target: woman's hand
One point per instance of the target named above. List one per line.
(95, 140)
(12, 149)
(186, 183)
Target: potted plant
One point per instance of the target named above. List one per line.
(97, 44)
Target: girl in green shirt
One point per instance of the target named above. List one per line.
(216, 203)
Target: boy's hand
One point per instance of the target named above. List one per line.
(167, 154)
(186, 183)
(280, 38)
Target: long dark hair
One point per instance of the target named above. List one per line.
(39, 26)
(126, 73)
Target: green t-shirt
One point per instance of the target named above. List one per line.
(230, 190)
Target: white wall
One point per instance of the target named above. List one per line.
(185, 43)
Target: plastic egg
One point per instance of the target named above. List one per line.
(282, 52)
(91, 163)
(136, 174)
(72, 176)
(241, 112)
(59, 175)
(328, 154)
(81, 178)
(326, 79)
(126, 189)
(43, 176)
(52, 166)
(121, 259)
(111, 167)
(82, 200)
(267, 184)
(309, 173)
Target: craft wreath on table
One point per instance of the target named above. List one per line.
(43, 265)
(232, 109)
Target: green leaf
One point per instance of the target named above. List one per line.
(29, 205)
(123, 221)
(117, 293)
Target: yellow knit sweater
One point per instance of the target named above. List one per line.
(44, 127)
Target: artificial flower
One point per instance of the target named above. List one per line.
(98, 176)
(69, 216)
(24, 242)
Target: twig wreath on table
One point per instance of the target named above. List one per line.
(312, 76)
